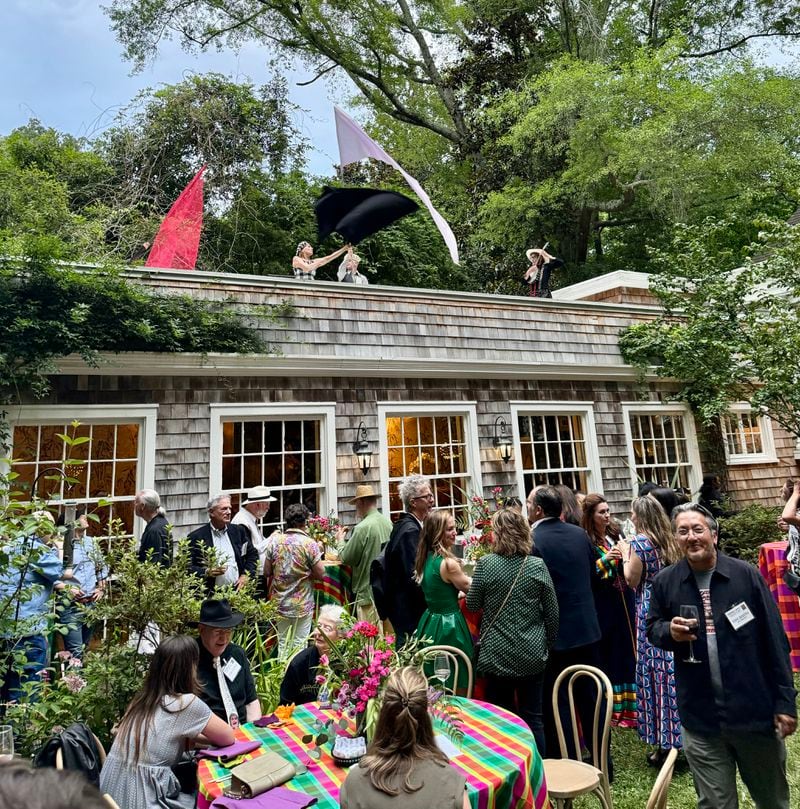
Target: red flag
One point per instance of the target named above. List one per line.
(178, 239)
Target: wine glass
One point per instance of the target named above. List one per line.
(691, 612)
(441, 668)
(6, 742)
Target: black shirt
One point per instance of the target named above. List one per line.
(156, 538)
(299, 684)
(242, 687)
(754, 660)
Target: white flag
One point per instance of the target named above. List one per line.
(355, 144)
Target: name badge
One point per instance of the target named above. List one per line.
(231, 669)
(739, 615)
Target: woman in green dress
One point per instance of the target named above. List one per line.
(441, 577)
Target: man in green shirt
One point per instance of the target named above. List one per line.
(364, 545)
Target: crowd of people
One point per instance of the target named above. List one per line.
(561, 586)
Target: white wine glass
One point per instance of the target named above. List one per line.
(6, 742)
(441, 668)
(691, 612)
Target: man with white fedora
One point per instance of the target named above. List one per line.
(364, 545)
(255, 505)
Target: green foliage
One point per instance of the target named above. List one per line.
(50, 310)
(742, 533)
(730, 330)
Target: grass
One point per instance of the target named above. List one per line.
(633, 778)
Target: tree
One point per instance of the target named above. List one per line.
(730, 330)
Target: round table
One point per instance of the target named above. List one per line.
(772, 564)
(497, 755)
(336, 585)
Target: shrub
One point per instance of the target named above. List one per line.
(743, 533)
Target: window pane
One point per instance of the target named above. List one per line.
(273, 436)
(252, 436)
(26, 440)
(51, 447)
(100, 479)
(252, 471)
(292, 436)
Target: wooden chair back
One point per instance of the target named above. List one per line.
(601, 725)
(101, 754)
(458, 658)
(658, 795)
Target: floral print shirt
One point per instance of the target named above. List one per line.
(292, 556)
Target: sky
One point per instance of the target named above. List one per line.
(62, 65)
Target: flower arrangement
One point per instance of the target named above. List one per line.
(355, 671)
(325, 531)
(479, 540)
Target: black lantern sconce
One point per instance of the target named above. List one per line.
(361, 449)
(502, 440)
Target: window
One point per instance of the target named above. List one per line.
(748, 436)
(662, 447)
(556, 444)
(438, 442)
(284, 448)
(111, 464)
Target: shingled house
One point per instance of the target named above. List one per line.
(439, 383)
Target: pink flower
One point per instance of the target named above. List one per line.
(366, 629)
(65, 655)
(74, 682)
(75, 663)
(390, 640)
(323, 660)
(319, 679)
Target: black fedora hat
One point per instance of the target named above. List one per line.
(217, 613)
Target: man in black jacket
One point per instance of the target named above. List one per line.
(156, 543)
(568, 554)
(405, 602)
(235, 552)
(737, 704)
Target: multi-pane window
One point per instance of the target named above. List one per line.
(107, 468)
(660, 451)
(434, 446)
(553, 450)
(747, 436)
(285, 455)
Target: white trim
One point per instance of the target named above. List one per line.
(303, 365)
(466, 409)
(145, 415)
(768, 454)
(670, 409)
(324, 411)
(557, 408)
(603, 283)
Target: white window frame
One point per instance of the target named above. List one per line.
(325, 412)
(767, 454)
(468, 410)
(556, 408)
(145, 415)
(658, 409)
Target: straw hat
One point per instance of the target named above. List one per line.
(365, 490)
(259, 494)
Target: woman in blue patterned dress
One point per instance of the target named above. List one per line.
(653, 548)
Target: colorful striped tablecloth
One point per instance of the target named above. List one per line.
(497, 755)
(772, 564)
(335, 587)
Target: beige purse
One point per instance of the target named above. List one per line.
(258, 775)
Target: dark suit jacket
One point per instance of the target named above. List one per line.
(405, 602)
(244, 551)
(156, 538)
(569, 557)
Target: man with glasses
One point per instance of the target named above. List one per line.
(405, 602)
(736, 698)
(223, 670)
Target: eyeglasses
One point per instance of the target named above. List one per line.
(423, 497)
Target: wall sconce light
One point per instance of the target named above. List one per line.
(361, 449)
(502, 440)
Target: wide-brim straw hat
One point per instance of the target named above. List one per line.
(365, 490)
(259, 494)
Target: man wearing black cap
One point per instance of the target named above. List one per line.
(226, 682)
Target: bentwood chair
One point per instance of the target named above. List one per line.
(101, 754)
(110, 801)
(566, 778)
(658, 797)
(457, 657)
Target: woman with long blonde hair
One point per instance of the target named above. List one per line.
(616, 608)
(404, 763)
(441, 577)
(653, 548)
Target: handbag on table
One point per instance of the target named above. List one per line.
(258, 775)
